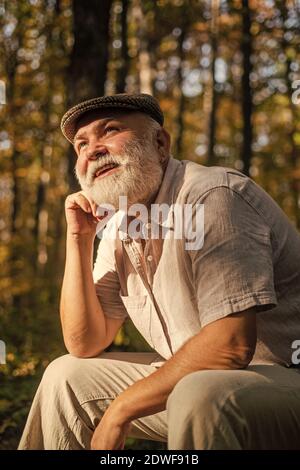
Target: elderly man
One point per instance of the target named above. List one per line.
(222, 316)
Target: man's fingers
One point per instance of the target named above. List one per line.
(92, 203)
(78, 200)
(82, 200)
(94, 209)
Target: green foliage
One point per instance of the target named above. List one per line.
(15, 398)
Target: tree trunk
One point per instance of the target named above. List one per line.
(181, 102)
(211, 160)
(122, 71)
(89, 57)
(246, 48)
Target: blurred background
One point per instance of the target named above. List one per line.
(227, 74)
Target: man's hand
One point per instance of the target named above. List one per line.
(111, 432)
(81, 214)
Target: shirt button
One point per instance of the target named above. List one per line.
(149, 258)
(148, 225)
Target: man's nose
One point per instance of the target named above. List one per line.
(96, 152)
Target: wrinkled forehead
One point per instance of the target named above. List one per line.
(128, 117)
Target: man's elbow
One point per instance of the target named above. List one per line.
(82, 349)
(84, 353)
(241, 357)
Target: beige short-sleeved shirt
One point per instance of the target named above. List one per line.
(250, 257)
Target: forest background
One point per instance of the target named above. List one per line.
(227, 75)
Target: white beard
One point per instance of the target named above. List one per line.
(139, 176)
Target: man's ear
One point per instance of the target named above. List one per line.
(163, 142)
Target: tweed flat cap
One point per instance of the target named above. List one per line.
(137, 101)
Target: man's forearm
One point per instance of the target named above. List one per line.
(81, 314)
(203, 351)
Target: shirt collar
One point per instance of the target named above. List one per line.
(167, 190)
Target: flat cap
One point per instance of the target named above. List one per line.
(135, 101)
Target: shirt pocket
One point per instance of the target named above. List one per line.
(139, 310)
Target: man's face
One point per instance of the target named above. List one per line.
(118, 155)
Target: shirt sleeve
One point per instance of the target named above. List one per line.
(106, 281)
(233, 271)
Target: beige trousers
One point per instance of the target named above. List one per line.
(255, 408)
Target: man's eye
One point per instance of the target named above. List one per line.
(81, 144)
(110, 129)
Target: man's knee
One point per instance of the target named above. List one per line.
(202, 414)
(197, 393)
(61, 371)
(84, 376)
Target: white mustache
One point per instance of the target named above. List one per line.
(102, 162)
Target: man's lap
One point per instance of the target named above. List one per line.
(81, 389)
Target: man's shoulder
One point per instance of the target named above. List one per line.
(198, 179)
